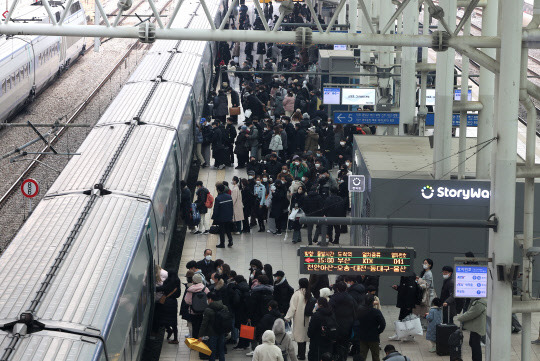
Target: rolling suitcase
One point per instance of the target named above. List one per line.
(442, 334)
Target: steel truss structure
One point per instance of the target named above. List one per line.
(501, 52)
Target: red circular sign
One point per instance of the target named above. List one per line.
(29, 188)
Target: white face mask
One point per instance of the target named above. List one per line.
(347, 164)
(265, 179)
(212, 282)
(297, 163)
(284, 171)
(342, 143)
(317, 166)
(250, 177)
(264, 162)
(258, 182)
(303, 179)
(446, 277)
(208, 258)
(426, 266)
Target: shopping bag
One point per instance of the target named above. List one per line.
(414, 327)
(247, 331)
(401, 329)
(198, 346)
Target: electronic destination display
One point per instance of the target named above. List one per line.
(356, 260)
(471, 281)
(358, 96)
(331, 95)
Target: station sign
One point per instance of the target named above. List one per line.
(357, 183)
(471, 281)
(331, 95)
(369, 118)
(472, 120)
(357, 260)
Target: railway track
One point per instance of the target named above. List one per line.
(87, 101)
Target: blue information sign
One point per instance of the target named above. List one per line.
(370, 118)
(472, 120)
(471, 281)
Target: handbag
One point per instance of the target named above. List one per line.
(199, 346)
(214, 229)
(414, 327)
(163, 298)
(247, 331)
(234, 111)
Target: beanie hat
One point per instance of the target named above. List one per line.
(197, 278)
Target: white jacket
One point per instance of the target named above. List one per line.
(268, 351)
(276, 143)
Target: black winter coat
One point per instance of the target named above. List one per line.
(231, 133)
(166, 313)
(266, 323)
(322, 281)
(240, 303)
(297, 200)
(217, 139)
(358, 292)
(300, 139)
(335, 206)
(282, 295)
(344, 307)
(185, 202)
(372, 324)
(241, 144)
(318, 344)
(201, 193)
(406, 292)
(273, 168)
(257, 304)
(254, 166)
(207, 268)
(279, 203)
(235, 98)
(313, 205)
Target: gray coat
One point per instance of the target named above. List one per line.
(434, 318)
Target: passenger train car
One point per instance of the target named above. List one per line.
(77, 281)
(29, 63)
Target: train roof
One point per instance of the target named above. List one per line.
(137, 171)
(52, 346)
(85, 288)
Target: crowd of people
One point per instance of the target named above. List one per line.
(337, 320)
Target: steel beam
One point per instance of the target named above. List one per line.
(526, 307)
(407, 96)
(471, 106)
(398, 12)
(366, 15)
(464, 99)
(334, 17)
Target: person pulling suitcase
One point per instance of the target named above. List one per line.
(443, 332)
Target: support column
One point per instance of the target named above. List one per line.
(407, 96)
(353, 16)
(486, 94)
(97, 20)
(503, 185)
(464, 98)
(365, 50)
(423, 77)
(444, 100)
(342, 16)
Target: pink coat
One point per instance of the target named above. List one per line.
(288, 104)
(198, 287)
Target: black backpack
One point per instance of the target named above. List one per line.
(329, 328)
(223, 321)
(199, 302)
(310, 305)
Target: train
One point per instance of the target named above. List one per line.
(78, 279)
(29, 63)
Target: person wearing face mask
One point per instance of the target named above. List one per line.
(298, 168)
(312, 140)
(273, 166)
(319, 156)
(406, 299)
(241, 147)
(238, 205)
(299, 138)
(329, 147)
(343, 152)
(260, 196)
(297, 203)
(276, 144)
(253, 166)
(267, 139)
(447, 292)
(206, 265)
(425, 281)
(279, 206)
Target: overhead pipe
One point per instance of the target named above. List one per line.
(425, 67)
(465, 106)
(526, 307)
(465, 3)
(528, 172)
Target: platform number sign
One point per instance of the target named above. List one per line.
(357, 183)
(29, 188)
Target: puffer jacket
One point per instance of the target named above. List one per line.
(267, 351)
(275, 143)
(198, 287)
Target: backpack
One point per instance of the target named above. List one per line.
(209, 203)
(223, 321)
(329, 328)
(310, 305)
(199, 302)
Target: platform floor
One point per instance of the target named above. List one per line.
(281, 255)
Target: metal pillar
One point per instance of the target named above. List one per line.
(444, 100)
(97, 40)
(423, 77)
(342, 16)
(503, 185)
(366, 49)
(464, 99)
(407, 96)
(486, 95)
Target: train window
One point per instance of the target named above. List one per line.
(13, 82)
(4, 89)
(75, 7)
(8, 84)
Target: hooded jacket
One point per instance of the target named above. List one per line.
(258, 302)
(267, 351)
(207, 325)
(474, 319)
(197, 287)
(284, 340)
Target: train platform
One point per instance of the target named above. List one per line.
(282, 255)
